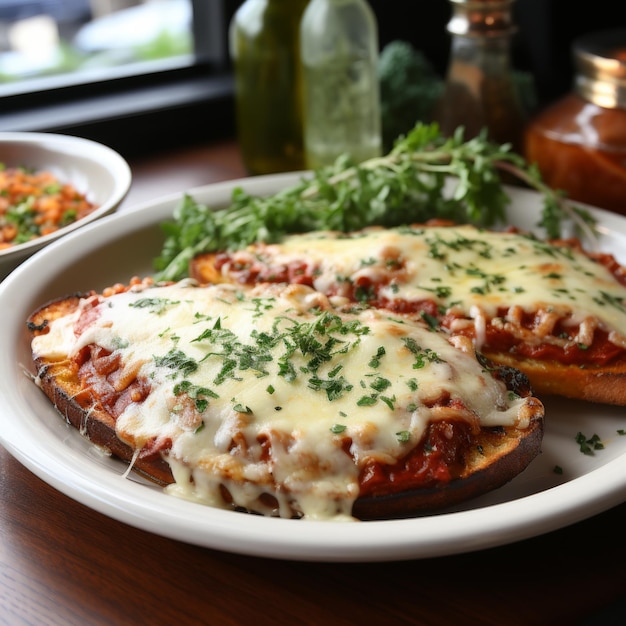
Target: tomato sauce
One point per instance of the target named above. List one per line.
(437, 459)
(253, 272)
(367, 291)
(99, 371)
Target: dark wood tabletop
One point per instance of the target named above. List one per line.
(64, 564)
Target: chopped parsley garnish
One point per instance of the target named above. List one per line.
(297, 348)
(200, 395)
(367, 400)
(375, 360)
(403, 436)
(177, 361)
(157, 305)
(614, 301)
(406, 186)
(422, 355)
(588, 445)
(334, 387)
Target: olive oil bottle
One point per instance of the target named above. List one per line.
(264, 48)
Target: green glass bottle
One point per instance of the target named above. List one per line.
(264, 48)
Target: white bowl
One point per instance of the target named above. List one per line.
(92, 168)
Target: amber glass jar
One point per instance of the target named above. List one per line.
(579, 142)
(265, 50)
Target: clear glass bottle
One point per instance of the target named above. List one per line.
(480, 89)
(339, 55)
(579, 141)
(265, 47)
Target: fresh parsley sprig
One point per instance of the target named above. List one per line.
(410, 184)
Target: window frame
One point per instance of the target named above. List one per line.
(187, 98)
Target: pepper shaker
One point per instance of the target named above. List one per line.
(480, 90)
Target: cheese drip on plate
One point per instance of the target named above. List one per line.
(258, 389)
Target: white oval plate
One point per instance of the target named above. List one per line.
(118, 246)
(92, 168)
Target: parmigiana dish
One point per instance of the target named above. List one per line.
(279, 401)
(547, 308)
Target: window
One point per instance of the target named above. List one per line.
(81, 40)
(119, 71)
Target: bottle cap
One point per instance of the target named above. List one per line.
(600, 60)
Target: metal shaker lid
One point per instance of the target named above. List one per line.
(600, 61)
(481, 18)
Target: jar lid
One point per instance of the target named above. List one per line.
(600, 60)
(481, 18)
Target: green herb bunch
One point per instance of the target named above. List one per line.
(409, 89)
(424, 176)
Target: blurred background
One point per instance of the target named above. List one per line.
(40, 38)
(116, 70)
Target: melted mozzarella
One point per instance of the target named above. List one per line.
(462, 266)
(257, 389)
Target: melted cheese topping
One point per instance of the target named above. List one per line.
(462, 266)
(231, 371)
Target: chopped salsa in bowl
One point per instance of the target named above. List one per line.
(34, 203)
(51, 185)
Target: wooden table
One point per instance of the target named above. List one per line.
(64, 564)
